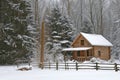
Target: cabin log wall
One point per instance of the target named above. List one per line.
(104, 50)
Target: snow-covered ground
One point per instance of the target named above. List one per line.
(10, 73)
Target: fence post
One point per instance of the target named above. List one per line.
(41, 65)
(57, 65)
(49, 65)
(65, 66)
(96, 66)
(116, 68)
(76, 66)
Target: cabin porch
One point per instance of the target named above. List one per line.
(80, 54)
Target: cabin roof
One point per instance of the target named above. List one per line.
(77, 49)
(95, 39)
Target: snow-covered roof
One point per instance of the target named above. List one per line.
(77, 49)
(96, 39)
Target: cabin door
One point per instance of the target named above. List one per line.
(80, 55)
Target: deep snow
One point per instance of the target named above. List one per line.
(10, 73)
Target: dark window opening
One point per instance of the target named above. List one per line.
(88, 53)
(99, 53)
(82, 42)
(78, 53)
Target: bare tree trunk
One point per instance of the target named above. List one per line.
(81, 13)
(101, 17)
(42, 46)
(36, 12)
(68, 7)
(91, 4)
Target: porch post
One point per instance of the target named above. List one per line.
(86, 55)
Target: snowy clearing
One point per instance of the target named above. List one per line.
(10, 73)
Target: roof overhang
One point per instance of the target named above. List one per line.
(77, 49)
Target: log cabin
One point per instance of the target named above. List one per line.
(85, 46)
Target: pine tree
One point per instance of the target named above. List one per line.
(16, 37)
(60, 31)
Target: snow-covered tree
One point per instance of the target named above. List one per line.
(17, 41)
(60, 33)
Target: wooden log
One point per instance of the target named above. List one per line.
(25, 69)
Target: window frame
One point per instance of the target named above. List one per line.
(82, 42)
(99, 53)
(88, 53)
(78, 53)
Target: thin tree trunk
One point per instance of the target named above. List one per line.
(81, 14)
(68, 7)
(101, 17)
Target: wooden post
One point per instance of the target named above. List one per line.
(86, 55)
(96, 66)
(42, 47)
(116, 68)
(57, 65)
(65, 66)
(49, 65)
(76, 66)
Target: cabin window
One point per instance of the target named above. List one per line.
(89, 53)
(99, 53)
(82, 42)
(78, 53)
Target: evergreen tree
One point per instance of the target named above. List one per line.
(16, 40)
(60, 32)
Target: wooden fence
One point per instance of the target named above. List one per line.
(78, 66)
